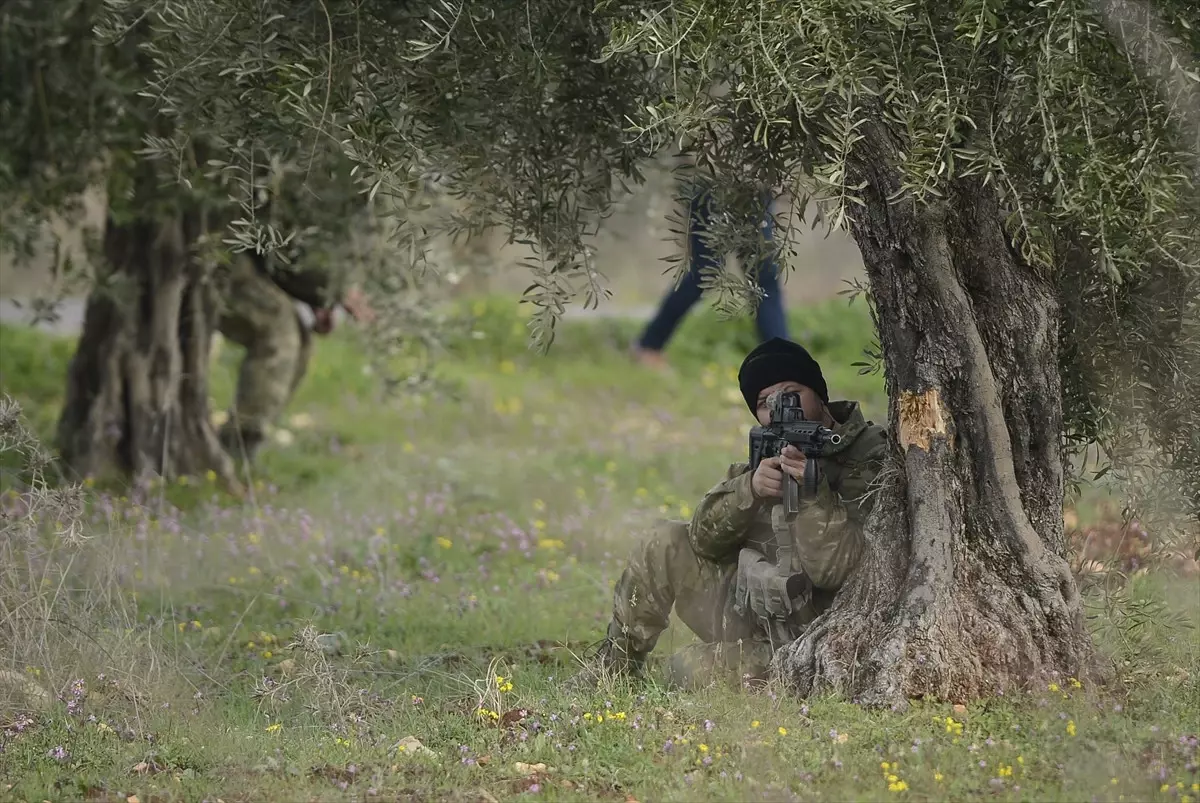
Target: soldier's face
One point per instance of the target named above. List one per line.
(809, 400)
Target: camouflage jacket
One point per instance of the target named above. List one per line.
(826, 539)
(313, 284)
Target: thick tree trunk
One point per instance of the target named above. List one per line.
(964, 589)
(137, 388)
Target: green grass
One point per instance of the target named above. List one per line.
(477, 532)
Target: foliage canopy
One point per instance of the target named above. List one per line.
(1085, 114)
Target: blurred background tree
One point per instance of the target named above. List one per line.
(81, 111)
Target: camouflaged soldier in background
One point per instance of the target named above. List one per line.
(738, 575)
(259, 313)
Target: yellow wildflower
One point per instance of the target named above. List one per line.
(782, 731)
(883, 765)
(1070, 727)
(274, 727)
(703, 748)
(892, 778)
(1053, 687)
(1075, 684)
(1020, 759)
(937, 776)
(754, 724)
(898, 786)
(444, 542)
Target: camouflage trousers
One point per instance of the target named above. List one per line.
(263, 319)
(664, 573)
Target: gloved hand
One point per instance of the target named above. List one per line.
(763, 590)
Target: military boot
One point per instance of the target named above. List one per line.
(611, 659)
(733, 662)
(242, 444)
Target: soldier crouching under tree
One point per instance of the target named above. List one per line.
(739, 574)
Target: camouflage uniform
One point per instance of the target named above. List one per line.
(693, 566)
(260, 315)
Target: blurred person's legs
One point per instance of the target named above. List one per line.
(261, 318)
(770, 318)
(685, 295)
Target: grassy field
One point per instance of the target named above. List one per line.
(393, 613)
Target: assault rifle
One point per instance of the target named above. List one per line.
(789, 427)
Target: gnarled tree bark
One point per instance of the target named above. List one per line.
(964, 589)
(137, 387)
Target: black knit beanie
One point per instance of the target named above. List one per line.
(779, 360)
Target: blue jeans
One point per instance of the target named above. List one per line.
(770, 317)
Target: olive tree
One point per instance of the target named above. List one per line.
(80, 111)
(1021, 179)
